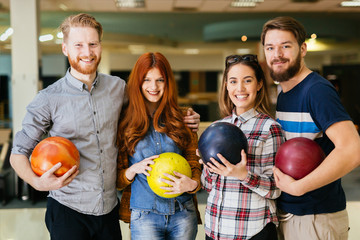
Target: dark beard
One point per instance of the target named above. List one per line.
(287, 74)
(88, 70)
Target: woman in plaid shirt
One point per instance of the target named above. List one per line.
(241, 201)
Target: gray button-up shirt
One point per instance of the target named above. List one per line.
(88, 119)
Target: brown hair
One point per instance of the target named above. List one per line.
(168, 117)
(80, 20)
(286, 24)
(262, 97)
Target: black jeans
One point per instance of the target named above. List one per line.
(268, 233)
(65, 223)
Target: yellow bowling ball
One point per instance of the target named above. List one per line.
(167, 163)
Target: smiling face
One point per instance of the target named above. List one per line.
(242, 87)
(83, 50)
(153, 89)
(283, 54)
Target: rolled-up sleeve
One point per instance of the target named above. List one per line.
(35, 124)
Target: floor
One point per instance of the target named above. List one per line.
(22, 220)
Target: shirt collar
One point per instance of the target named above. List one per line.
(244, 117)
(77, 83)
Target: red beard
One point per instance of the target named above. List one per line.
(89, 69)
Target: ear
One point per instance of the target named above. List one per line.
(64, 49)
(303, 49)
(260, 85)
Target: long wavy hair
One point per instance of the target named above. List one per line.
(168, 117)
(262, 97)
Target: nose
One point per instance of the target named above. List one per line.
(278, 52)
(87, 50)
(241, 86)
(153, 85)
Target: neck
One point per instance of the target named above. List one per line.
(151, 108)
(298, 78)
(87, 79)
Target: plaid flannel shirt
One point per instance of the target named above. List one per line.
(240, 209)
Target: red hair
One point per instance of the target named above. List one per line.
(168, 117)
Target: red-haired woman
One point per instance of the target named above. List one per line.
(153, 124)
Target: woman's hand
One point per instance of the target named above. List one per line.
(229, 170)
(140, 167)
(179, 183)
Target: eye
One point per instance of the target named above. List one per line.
(161, 80)
(269, 48)
(232, 81)
(94, 44)
(249, 80)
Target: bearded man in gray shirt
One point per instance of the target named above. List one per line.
(84, 106)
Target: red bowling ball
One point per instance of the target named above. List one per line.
(298, 157)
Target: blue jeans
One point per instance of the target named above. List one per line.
(148, 225)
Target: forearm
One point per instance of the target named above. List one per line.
(336, 165)
(261, 179)
(122, 167)
(207, 179)
(342, 159)
(263, 185)
(122, 180)
(193, 160)
(21, 165)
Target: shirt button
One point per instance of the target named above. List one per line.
(97, 132)
(101, 151)
(94, 112)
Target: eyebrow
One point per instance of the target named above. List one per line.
(286, 42)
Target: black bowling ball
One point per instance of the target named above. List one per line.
(224, 138)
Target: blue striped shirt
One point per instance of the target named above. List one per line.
(308, 110)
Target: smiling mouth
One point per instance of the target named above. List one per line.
(279, 61)
(241, 96)
(87, 60)
(153, 92)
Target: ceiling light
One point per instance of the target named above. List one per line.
(137, 49)
(46, 37)
(6, 34)
(245, 3)
(243, 51)
(130, 3)
(354, 3)
(192, 51)
(63, 7)
(60, 35)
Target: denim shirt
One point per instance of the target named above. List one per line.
(142, 197)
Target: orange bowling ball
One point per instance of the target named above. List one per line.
(52, 150)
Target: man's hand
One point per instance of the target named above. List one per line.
(286, 183)
(192, 119)
(48, 181)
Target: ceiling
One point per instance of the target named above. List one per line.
(210, 24)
